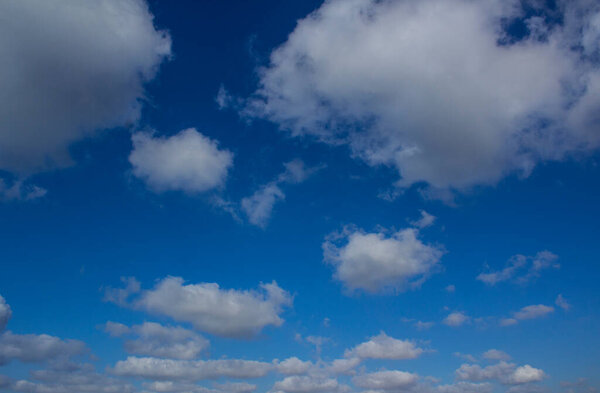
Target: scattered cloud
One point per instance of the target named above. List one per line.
(385, 380)
(293, 366)
(521, 269)
(456, 319)
(495, 354)
(560, 302)
(189, 370)
(503, 372)
(259, 206)
(187, 161)
(20, 191)
(33, 348)
(533, 312)
(450, 288)
(376, 262)
(306, 384)
(81, 69)
(425, 220)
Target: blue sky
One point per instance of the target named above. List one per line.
(299, 197)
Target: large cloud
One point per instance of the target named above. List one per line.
(224, 312)
(438, 88)
(375, 261)
(68, 68)
(187, 161)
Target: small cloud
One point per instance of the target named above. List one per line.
(494, 354)
(450, 288)
(562, 303)
(456, 319)
(425, 220)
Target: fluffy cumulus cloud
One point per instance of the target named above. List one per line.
(67, 69)
(189, 370)
(503, 372)
(293, 366)
(439, 89)
(385, 380)
(223, 312)
(376, 262)
(156, 340)
(187, 161)
(5, 313)
(259, 206)
(383, 346)
(33, 348)
(521, 269)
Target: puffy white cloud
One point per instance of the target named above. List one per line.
(533, 311)
(495, 354)
(223, 312)
(259, 206)
(189, 370)
(560, 302)
(33, 348)
(5, 313)
(436, 88)
(383, 346)
(344, 366)
(503, 372)
(306, 384)
(68, 69)
(293, 365)
(385, 380)
(187, 161)
(156, 340)
(376, 262)
(456, 318)
(521, 269)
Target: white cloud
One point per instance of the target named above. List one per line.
(344, 366)
(560, 302)
(456, 319)
(427, 87)
(20, 191)
(120, 296)
(306, 384)
(259, 206)
(465, 387)
(385, 380)
(383, 346)
(506, 373)
(450, 288)
(68, 69)
(5, 313)
(189, 370)
(533, 311)
(156, 340)
(33, 348)
(425, 220)
(293, 366)
(495, 354)
(522, 269)
(187, 161)
(376, 262)
(223, 312)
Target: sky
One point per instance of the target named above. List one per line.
(376, 196)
